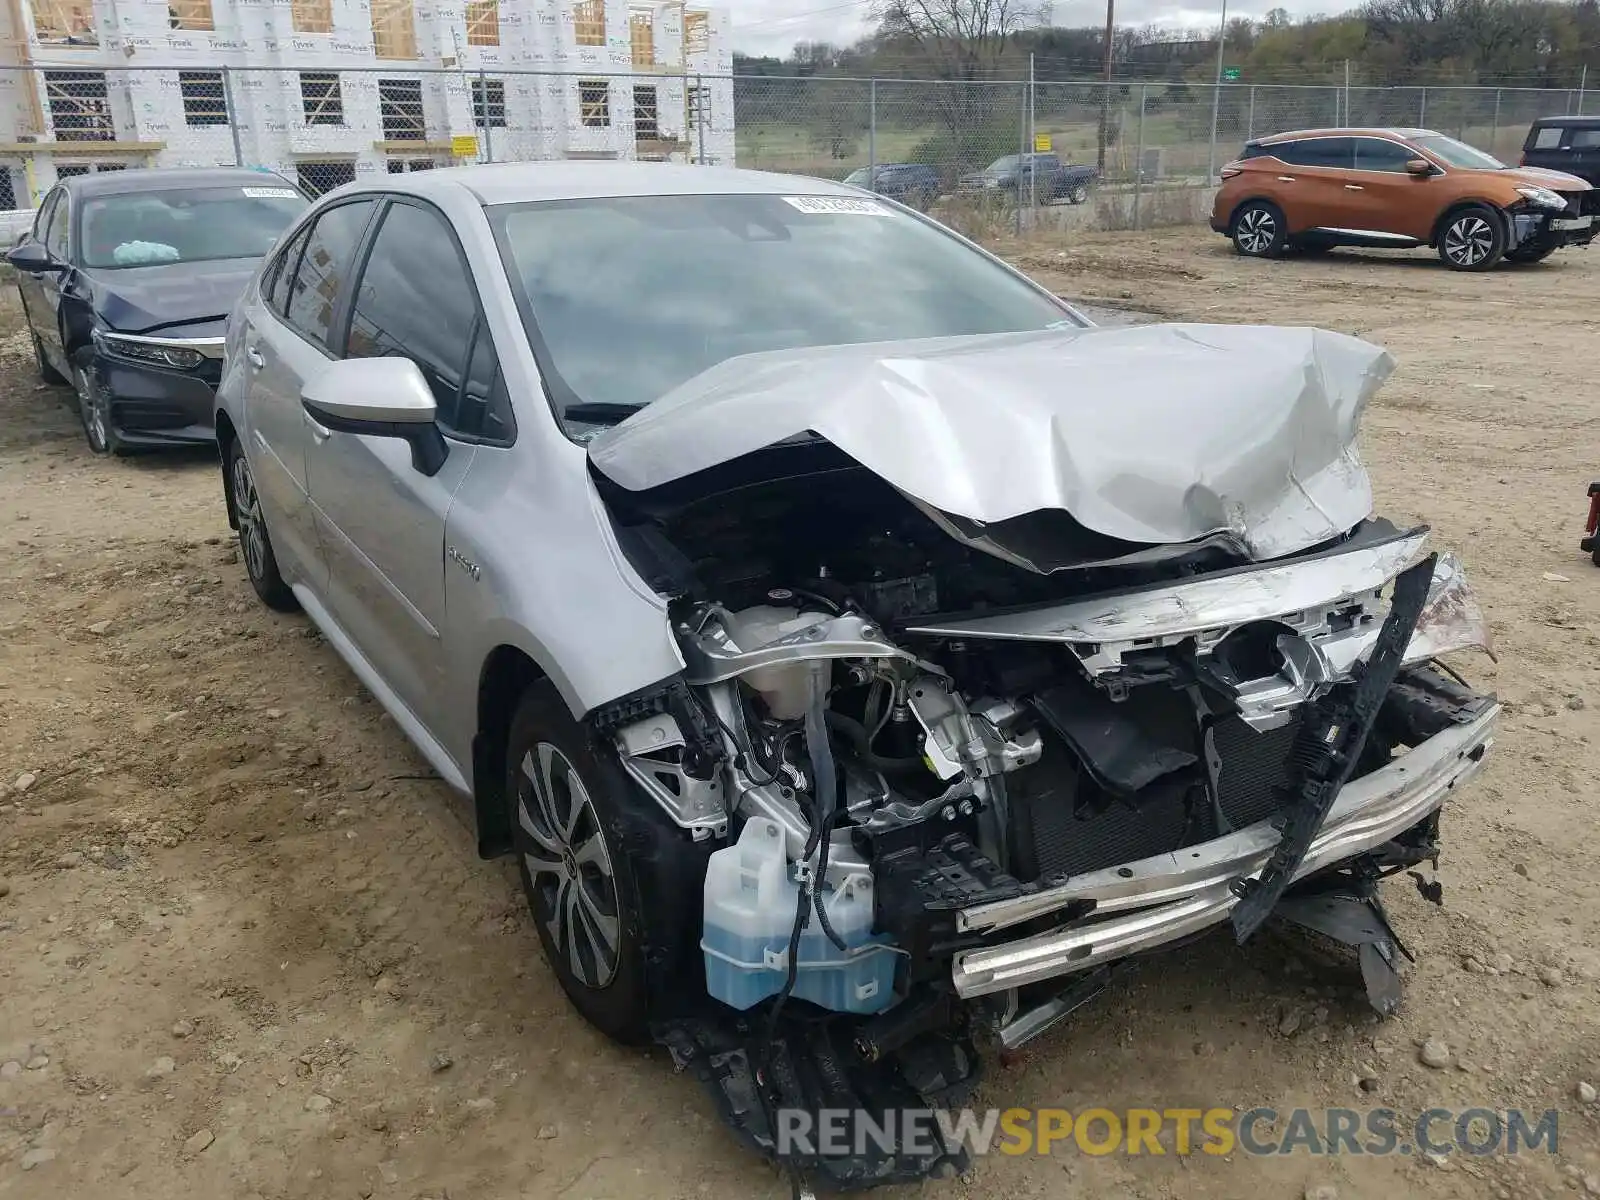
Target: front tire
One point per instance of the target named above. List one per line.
(255, 544)
(613, 886)
(94, 407)
(1260, 230)
(1078, 193)
(1472, 238)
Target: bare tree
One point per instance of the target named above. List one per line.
(958, 39)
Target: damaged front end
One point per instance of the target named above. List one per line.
(956, 769)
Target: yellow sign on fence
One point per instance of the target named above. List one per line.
(464, 146)
(1041, 143)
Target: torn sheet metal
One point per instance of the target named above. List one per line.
(1150, 434)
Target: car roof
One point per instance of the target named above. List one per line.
(515, 183)
(166, 179)
(1353, 131)
(1589, 120)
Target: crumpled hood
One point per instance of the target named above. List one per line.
(1558, 181)
(136, 299)
(1152, 434)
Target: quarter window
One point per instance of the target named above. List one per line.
(55, 234)
(276, 285)
(324, 268)
(416, 299)
(1585, 139)
(1376, 154)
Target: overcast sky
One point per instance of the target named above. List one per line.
(773, 26)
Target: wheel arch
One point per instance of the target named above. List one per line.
(1233, 216)
(226, 436)
(1468, 202)
(507, 672)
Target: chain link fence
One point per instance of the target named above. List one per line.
(970, 148)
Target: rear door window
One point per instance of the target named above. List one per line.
(1547, 137)
(1586, 139)
(325, 267)
(1335, 152)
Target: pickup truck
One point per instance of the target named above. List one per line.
(1049, 178)
(1569, 144)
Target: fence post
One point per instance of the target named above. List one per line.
(233, 115)
(872, 134)
(1022, 154)
(1138, 160)
(700, 121)
(1250, 123)
(482, 104)
(1494, 128)
(1422, 114)
(1583, 83)
(1216, 112)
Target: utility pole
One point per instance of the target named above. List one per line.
(1105, 97)
(1216, 96)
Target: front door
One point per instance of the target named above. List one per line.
(383, 521)
(1391, 203)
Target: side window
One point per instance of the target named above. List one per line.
(485, 405)
(1586, 139)
(1336, 152)
(1547, 137)
(1376, 154)
(324, 268)
(416, 298)
(55, 234)
(275, 284)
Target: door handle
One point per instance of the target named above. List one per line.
(1354, 187)
(319, 431)
(1285, 178)
(253, 356)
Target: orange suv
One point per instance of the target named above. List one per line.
(1396, 189)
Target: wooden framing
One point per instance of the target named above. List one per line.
(483, 22)
(394, 28)
(190, 14)
(312, 16)
(696, 32)
(65, 21)
(642, 36)
(589, 22)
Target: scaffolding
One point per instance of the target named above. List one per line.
(483, 22)
(589, 22)
(394, 28)
(642, 36)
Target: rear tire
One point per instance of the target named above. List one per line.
(255, 544)
(613, 886)
(1259, 230)
(1472, 238)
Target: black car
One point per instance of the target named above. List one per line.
(1570, 144)
(916, 184)
(1044, 177)
(127, 279)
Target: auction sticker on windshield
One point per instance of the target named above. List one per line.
(840, 205)
(270, 193)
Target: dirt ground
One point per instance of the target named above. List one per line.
(247, 950)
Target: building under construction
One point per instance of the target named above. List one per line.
(325, 90)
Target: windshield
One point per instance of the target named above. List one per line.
(631, 296)
(141, 229)
(1000, 165)
(1458, 154)
(858, 178)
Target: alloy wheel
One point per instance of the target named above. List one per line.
(1078, 194)
(1256, 231)
(565, 853)
(252, 530)
(1468, 241)
(96, 412)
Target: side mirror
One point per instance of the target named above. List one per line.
(379, 397)
(32, 257)
(1419, 166)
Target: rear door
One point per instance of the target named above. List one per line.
(383, 521)
(41, 317)
(286, 342)
(1313, 189)
(1583, 153)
